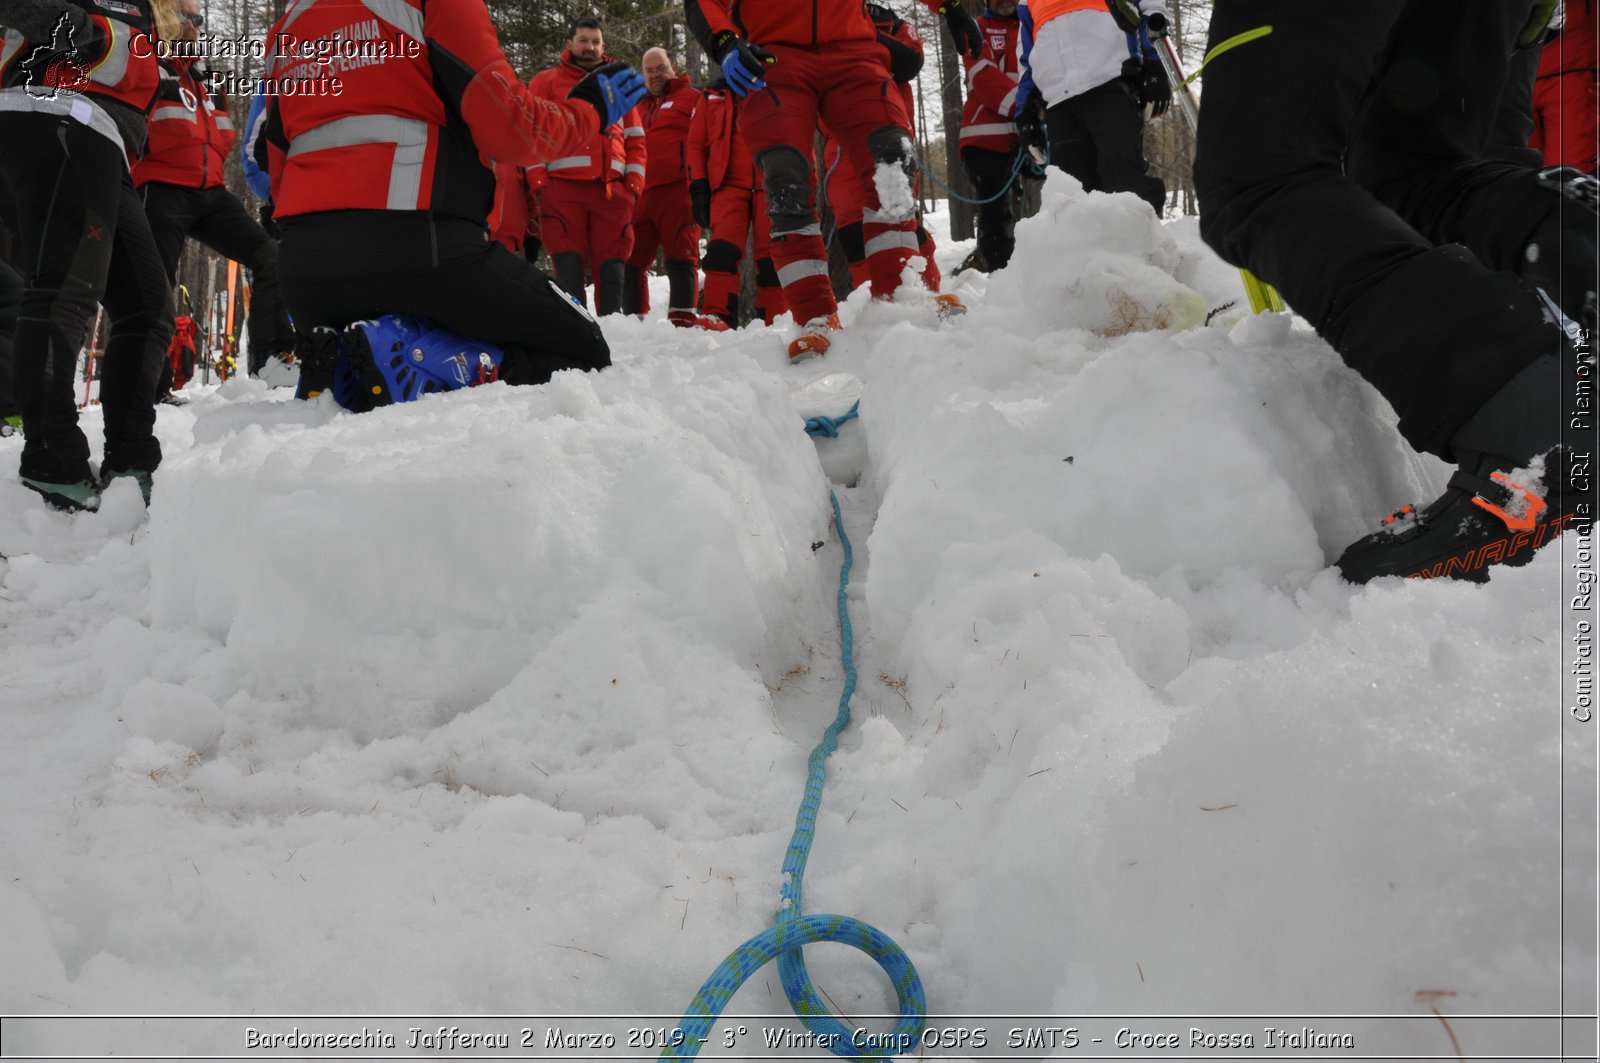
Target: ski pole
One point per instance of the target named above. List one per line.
(1262, 296)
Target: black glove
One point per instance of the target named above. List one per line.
(744, 65)
(1155, 88)
(1030, 128)
(964, 29)
(700, 202)
(611, 90)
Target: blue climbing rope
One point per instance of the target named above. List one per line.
(793, 929)
(1016, 168)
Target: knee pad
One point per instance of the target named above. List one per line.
(721, 257)
(890, 145)
(787, 178)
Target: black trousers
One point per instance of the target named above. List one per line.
(992, 179)
(10, 306)
(1098, 137)
(1341, 158)
(344, 266)
(216, 218)
(82, 239)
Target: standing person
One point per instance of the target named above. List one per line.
(846, 195)
(1095, 71)
(663, 219)
(181, 184)
(989, 144)
(382, 193)
(1565, 94)
(584, 199)
(727, 198)
(76, 82)
(798, 64)
(1364, 202)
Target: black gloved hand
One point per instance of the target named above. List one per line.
(700, 202)
(611, 90)
(1155, 88)
(964, 29)
(1030, 128)
(743, 64)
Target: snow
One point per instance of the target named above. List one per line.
(499, 703)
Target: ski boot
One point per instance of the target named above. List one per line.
(398, 358)
(949, 305)
(64, 483)
(814, 339)
(1496, 510)
(318, 351)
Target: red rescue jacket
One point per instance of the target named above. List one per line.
(105, 51)
(666, 120)
(714, 150)
(801, 22)
(424, 95)
(616, 153)
(191, 131)
(992, 86)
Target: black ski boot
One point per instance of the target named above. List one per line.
(1497, 510)
(317, 351)
(64, 482)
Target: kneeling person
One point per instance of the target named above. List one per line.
(384, 210)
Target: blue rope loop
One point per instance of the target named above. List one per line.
(1016, 168)
(793, 930)
(828, 428)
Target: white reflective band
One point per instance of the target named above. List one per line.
(977, 68)
(114, 67)
(801, 270)
(617, 165)
(80, 107)
(298, 8)
(892, 240)
(8, 47)
(814, 229)
(173, 111)
(224, 122)
(1009, 102)
(989, 129)
(634, 167)
(408, 135)
(633, 131)
(398, 13)
(571, 162)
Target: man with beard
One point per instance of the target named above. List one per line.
(583, 201)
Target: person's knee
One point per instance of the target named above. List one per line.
(787, 178)
(722, 256)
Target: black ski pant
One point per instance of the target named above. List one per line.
(344, 266)
(1341, 160)
(993, 177)
(216, 218)
(10, 306)
(82, 239)
(1098, 137)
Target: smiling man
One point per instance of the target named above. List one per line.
(663, 219)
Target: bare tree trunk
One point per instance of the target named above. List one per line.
(963, 216)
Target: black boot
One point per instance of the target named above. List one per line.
(682, 282)
(1517, 487)
(632, 281)
(608, 284)
(568, 268)
(317, 351)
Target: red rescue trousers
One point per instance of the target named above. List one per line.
(849, 89)
(664, 219)
(733, 211)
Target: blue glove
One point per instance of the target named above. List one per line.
(611, 90)
(743, 63)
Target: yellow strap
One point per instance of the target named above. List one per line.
(1228, 45)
